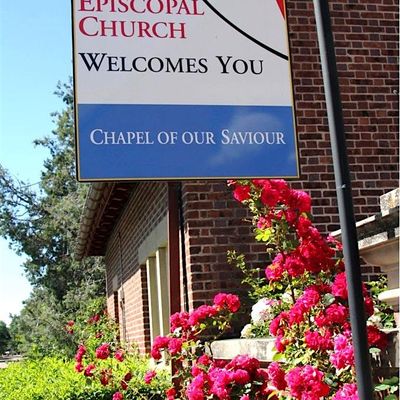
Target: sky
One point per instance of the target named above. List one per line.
(35, 53)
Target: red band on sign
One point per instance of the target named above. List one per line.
(281, 6)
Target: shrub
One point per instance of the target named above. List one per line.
(46, 379)
(111, 367)
(101, 366)
(55, 379)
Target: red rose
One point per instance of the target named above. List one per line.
(241, 193)
(103, 351)
(369, 306)
(94, 319)
(170, 394)
(119, 355)
(89, 370)
(104, 378)
(376, 338)
(128, 377)
(277, 376)
(80, 353)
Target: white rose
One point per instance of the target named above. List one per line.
(287, 298)
(262, 311)
(375, 320)
(246, 331)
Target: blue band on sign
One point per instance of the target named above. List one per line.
(185, 141)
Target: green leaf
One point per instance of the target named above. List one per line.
(328, 299)
(381, 387)
(391, 397)
(394, 380)
(328, 381)
(277, 357)
(374, 350)
(263, 235)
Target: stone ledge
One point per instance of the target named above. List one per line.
(390, 297)
(381, 226)
(389, 201)
(264, 349)
(261, 348)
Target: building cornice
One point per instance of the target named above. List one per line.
(103, 205)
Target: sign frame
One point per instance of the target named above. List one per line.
(85, 160)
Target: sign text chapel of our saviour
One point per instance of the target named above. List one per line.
(179, 89)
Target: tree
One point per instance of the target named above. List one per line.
(42, 222)
(4, 337)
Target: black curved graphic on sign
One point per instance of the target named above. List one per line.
(230, 23)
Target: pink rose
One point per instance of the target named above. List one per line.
(347, 392)
(149, 376)
(117, 396)
(226, 300)
(175, 346)
(78, 367)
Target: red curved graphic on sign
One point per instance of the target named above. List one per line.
(281, 7)
(263, 45)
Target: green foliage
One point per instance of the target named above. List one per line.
(41, 221)
(39, 329)
(119, 368)
(384, 314)
(388, 389)
(55, 379)
(49, 378)
(4, 337)
(252, 277)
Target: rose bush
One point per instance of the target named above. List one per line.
(302, 302)
(105, 361)
(197, 374)
(311, 325)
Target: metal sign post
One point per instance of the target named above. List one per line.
(345, 205)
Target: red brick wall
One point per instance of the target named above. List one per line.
(366, 40)
(214, 224)
(144, 210)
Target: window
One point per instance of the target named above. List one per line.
(158, 292)
(153, 253)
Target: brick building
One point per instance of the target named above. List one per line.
(165, 243)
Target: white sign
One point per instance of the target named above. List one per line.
(182, 89)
